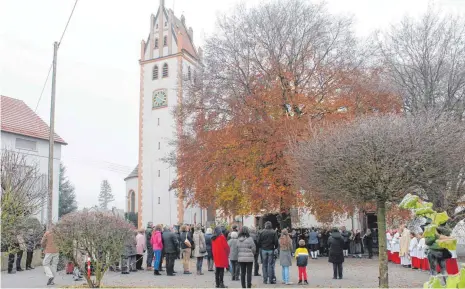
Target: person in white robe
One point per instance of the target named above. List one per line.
(421, 253)
(395, 248)
(413, 251)
(404, 248)
(388, 245)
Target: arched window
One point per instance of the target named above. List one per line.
(156, 42)
(155, 72)
(165, 40)
(132, 201)
(189, 72)
(165, 70)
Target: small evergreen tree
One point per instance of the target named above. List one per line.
(105, 196)
(67, 196)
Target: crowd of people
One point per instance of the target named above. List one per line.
(241, 251)
(355, 242)
(409, 250)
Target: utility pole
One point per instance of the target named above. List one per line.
(52, 139)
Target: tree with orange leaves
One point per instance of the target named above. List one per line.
(266, 73)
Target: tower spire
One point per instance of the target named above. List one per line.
(162, 3)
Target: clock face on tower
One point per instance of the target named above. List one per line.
(159, 99)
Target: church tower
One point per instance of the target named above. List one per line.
(167, 59)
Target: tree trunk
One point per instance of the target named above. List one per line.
(383, 262)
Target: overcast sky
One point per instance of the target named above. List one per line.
(98, 71)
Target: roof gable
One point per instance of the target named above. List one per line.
(18, 118)
(133, 174)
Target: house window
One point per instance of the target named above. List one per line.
(165, 70)
(25, 144)
(132, 202)
(156, 42)
(189, 72)
(158, 121)
(165, 40)
(158, 145)
(159, 200)
(166, 23)
(156, 26)
(158, 172)
(155, 72)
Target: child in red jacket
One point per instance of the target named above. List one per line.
(220, 252)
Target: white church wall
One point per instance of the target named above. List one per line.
(159, 204)
(132, 185)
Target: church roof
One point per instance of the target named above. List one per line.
(188, 43)
(133, 174)
(177, 26)
(18, 118)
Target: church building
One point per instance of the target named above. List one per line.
(167, 60)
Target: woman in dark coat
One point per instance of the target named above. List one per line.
(369, 243)
(208, 242)
(336, 254)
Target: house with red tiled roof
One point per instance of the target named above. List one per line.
(23, 131)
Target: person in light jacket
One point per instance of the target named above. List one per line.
(141, 247)
(313, 243)
(246, 256)
(186, 246)
(156, 242)
(233, 255)
(200, 249)
(285, 255)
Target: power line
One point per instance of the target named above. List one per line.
(69, 19)
(43, 88)
(51, 65)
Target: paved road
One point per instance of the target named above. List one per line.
(357, 273)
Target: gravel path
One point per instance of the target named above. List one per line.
(361, 273)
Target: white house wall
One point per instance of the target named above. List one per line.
(39, 156)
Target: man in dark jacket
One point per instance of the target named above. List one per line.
(170, 246)
(148, 236)
(346, 238)
(268, 243)
(336, 252)
(256, 266)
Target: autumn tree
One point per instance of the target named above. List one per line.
(105, 197)
(99, 235)
(265, 73)
(378, 159)
(66, 195)
(424, 63)
(23, 194)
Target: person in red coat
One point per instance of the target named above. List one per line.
(220, 252)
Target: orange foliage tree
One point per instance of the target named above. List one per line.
(267, 73)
